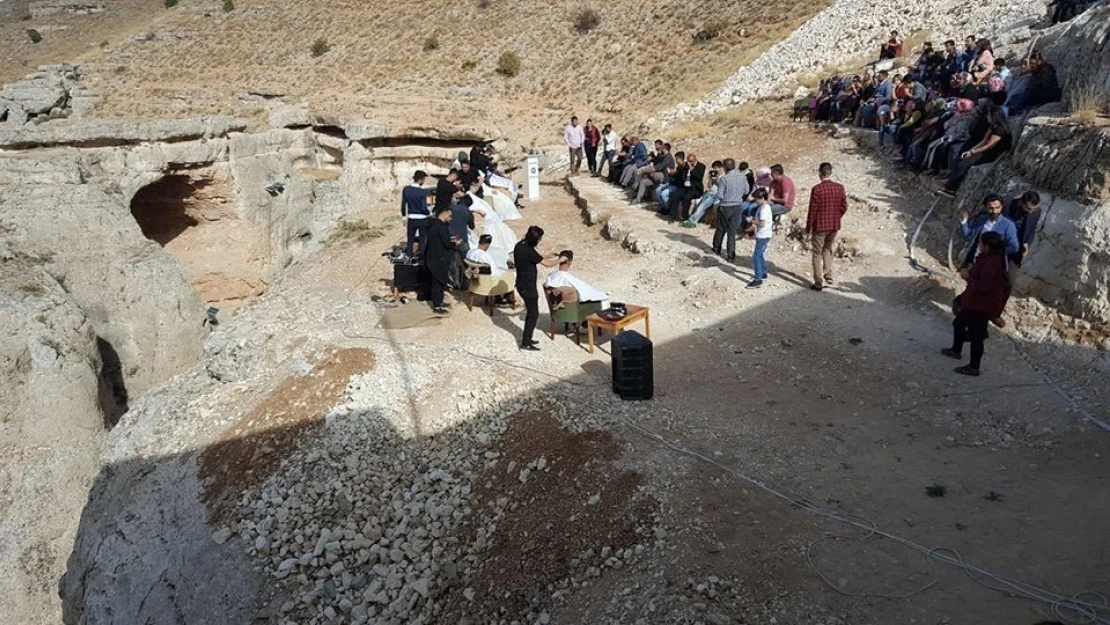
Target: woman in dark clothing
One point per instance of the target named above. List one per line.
(526, 259)
(437, 258)
(988, 288)
(996, 141)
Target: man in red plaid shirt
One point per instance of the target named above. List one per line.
(827, 204)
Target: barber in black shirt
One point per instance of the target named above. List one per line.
(527, 258)
(446, 189)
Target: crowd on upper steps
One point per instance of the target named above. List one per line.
(943, 113)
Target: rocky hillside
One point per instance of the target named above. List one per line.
(618, 59)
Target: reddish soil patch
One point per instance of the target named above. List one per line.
(248, 451)
(549, 520)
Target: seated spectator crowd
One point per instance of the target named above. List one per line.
(946, 112)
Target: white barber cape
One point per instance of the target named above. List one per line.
(502, 204)
(503, 182)
(503, 236)
(479, 255)
(563, 279)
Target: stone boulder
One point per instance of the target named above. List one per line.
(44, 94)
(54, 400)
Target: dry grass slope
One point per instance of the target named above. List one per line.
(632, 61)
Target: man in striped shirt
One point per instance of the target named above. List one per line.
(827, 204)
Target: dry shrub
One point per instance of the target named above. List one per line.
(320, 47)
(586, 20)
(171, 4)
(711, 30)
(509, 63)
(1086, 104)
(357, 231)
(229, 6)
(431, 43)
(34, 35)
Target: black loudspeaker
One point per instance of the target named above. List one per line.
(633, 376)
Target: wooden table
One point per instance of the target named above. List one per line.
(635, 313)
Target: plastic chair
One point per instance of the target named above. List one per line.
(571, 313)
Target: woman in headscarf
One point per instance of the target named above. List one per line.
(997, 139)
(957, 130)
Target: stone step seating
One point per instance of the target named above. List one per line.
(636, 227)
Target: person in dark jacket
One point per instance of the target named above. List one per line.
(462, 222)
(414, 210)
(1025, 212)
(446, 190)
(690, 186)
(437, 258)
(526, 259)
(984, 299)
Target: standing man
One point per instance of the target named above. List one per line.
(1025, 212)
(990, 220)
(437, 258)
(592, 140)
(446, 190)
(610, 143)
(414, 210)
(462, 222)
(827, 204)
(732, 188)
(526, 258)
(782, 192)
(574, 137)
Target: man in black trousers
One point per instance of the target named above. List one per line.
(437, 258)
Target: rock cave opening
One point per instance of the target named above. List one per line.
(192, 215)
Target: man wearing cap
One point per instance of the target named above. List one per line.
(414, 210)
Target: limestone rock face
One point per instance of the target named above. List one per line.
(1062, 156)
(102, 133)
(134, 295)
(1080, 50)
(43, 94)
(50, 381)
(41, 8)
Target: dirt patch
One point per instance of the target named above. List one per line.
(573, 501)
(251, 449)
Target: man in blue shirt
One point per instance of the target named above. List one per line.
(414, 210)
(990, 220)
(639, 158)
